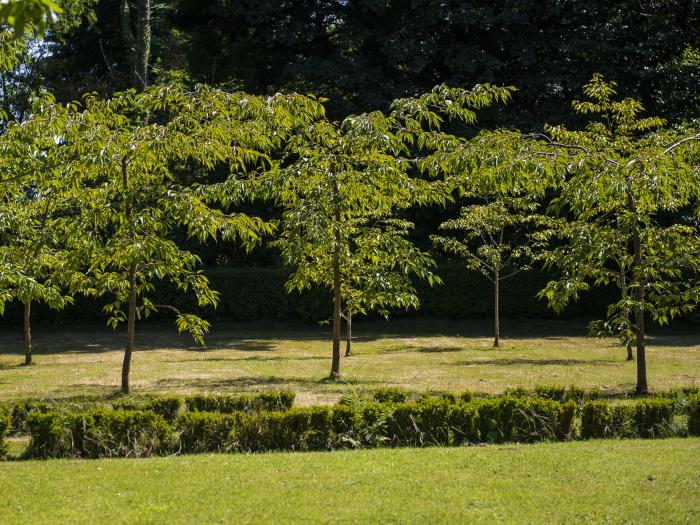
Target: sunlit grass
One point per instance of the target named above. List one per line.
(417, 355)
(653, 481)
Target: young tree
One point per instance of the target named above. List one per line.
(628, 187)
(492, 238)
(30, 250)
(135, 155)
(342, 189)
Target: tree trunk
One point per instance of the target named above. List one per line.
(335, 366)
(496, 310)
(348, 333)
(130, 330)
(27, 333)
(139, 45)
(143, 44)
(626, 313)
(642, 386)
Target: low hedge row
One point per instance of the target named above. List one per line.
(693, 411)
(4, 429)
(169, 407)
(431, 421)
(647, 418)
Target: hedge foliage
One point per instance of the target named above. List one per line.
(390, 417)
(230, 403)
(168, 407)
(647, 418)
(4, 429)
(694, 415)
(442, 421)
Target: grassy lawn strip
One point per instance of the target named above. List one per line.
(653, 481)
(413, 354)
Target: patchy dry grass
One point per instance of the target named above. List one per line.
(418, 355)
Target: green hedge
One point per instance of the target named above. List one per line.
(229, 403)
(694, 415)
(99, 433)
(442, 420)
(208, 431)
(647, 418)
(4, 429)
(167, 407)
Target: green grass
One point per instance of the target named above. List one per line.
(413, 354)
(581, 482)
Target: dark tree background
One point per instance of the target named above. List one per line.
(363, 53)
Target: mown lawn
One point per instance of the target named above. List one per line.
(582, 482)
(419, 355)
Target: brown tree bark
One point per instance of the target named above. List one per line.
(143, 44)
(130, 330)
(138, 45)
(497, 310)
(27, 333)
(131, 313)
(638, 294)
(642, 385)
(348, 332)
(337, 304)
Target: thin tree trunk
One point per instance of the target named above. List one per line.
(131, 314)
(27, 333)
(627, 313)
(642, 385)
(496, 310)
(335, 366)
(348, 332)
(138, 45)
(130, 330)
(143, 44)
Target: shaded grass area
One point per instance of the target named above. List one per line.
(84, 363)
(580, 482)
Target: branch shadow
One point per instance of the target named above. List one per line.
(535, 362)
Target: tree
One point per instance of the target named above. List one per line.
(30, 249)
(342, 189)
(493, 240)
(628, 188)
(136, 191)
(39, 14)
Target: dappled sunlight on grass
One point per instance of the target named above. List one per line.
(248, 357)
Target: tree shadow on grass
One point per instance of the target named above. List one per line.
(535, 362)
(249, 358)
(438, 349)
(252, 382)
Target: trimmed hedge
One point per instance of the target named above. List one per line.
(208, 431)
(230, 403)
(167, 407)
(99, 433)
(694, 415)
(648, 418)
(4, 429)
(443, 420)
